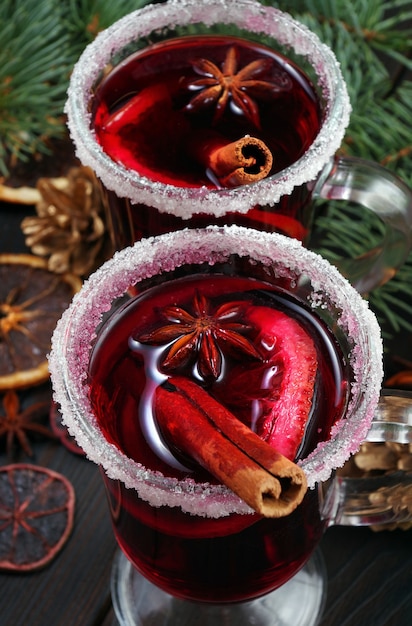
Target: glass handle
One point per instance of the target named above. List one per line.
(376, 188)
(369, 496)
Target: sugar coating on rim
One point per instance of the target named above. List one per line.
(69, 357)
(184, 202)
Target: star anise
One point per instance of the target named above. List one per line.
(218, 86)
(15, 423)
(203, 333)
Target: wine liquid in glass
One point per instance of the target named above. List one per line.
(148, 117)
(235, 557)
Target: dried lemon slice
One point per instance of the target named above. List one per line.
(32, 299)
(37, 510)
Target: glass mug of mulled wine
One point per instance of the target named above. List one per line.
(218, 376)
(195, 112)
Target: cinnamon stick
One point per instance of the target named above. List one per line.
(200, 426)
(241, 162)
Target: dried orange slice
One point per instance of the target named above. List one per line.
(36, 516)
(32, 299)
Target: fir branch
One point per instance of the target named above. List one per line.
(84, 19)
(350, 231)
(392, 302)
(380, 130)
(33, 56)
(41, 41)
(372, 25)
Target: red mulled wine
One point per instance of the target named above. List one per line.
(157, 111)
(239, 556)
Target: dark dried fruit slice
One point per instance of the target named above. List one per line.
(285, 378)
(61, 432)
(36, 516)
(32, 299)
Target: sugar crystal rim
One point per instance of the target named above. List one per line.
(184, 202)
(75, 331)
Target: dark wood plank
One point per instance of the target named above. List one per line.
(369, 577)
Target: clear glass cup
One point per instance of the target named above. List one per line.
(140, 205)
(377, 490)
(164, 523)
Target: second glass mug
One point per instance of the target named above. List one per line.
(164, 524)
(142, 204)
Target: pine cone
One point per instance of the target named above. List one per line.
(69, 227)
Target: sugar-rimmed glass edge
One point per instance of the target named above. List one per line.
(184, 202)
(69, 357)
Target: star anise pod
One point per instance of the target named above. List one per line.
(15, 422)
(69, 227)
(202, 333)
(219, 86)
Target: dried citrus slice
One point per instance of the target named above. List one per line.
(36, 516)
(290, 395)
(285, 380)
(32, 299)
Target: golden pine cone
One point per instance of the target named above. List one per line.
(69, 227)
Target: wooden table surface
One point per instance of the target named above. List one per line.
(369, 574)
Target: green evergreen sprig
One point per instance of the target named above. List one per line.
(84, 19)
(33, 59)
(40, 42)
